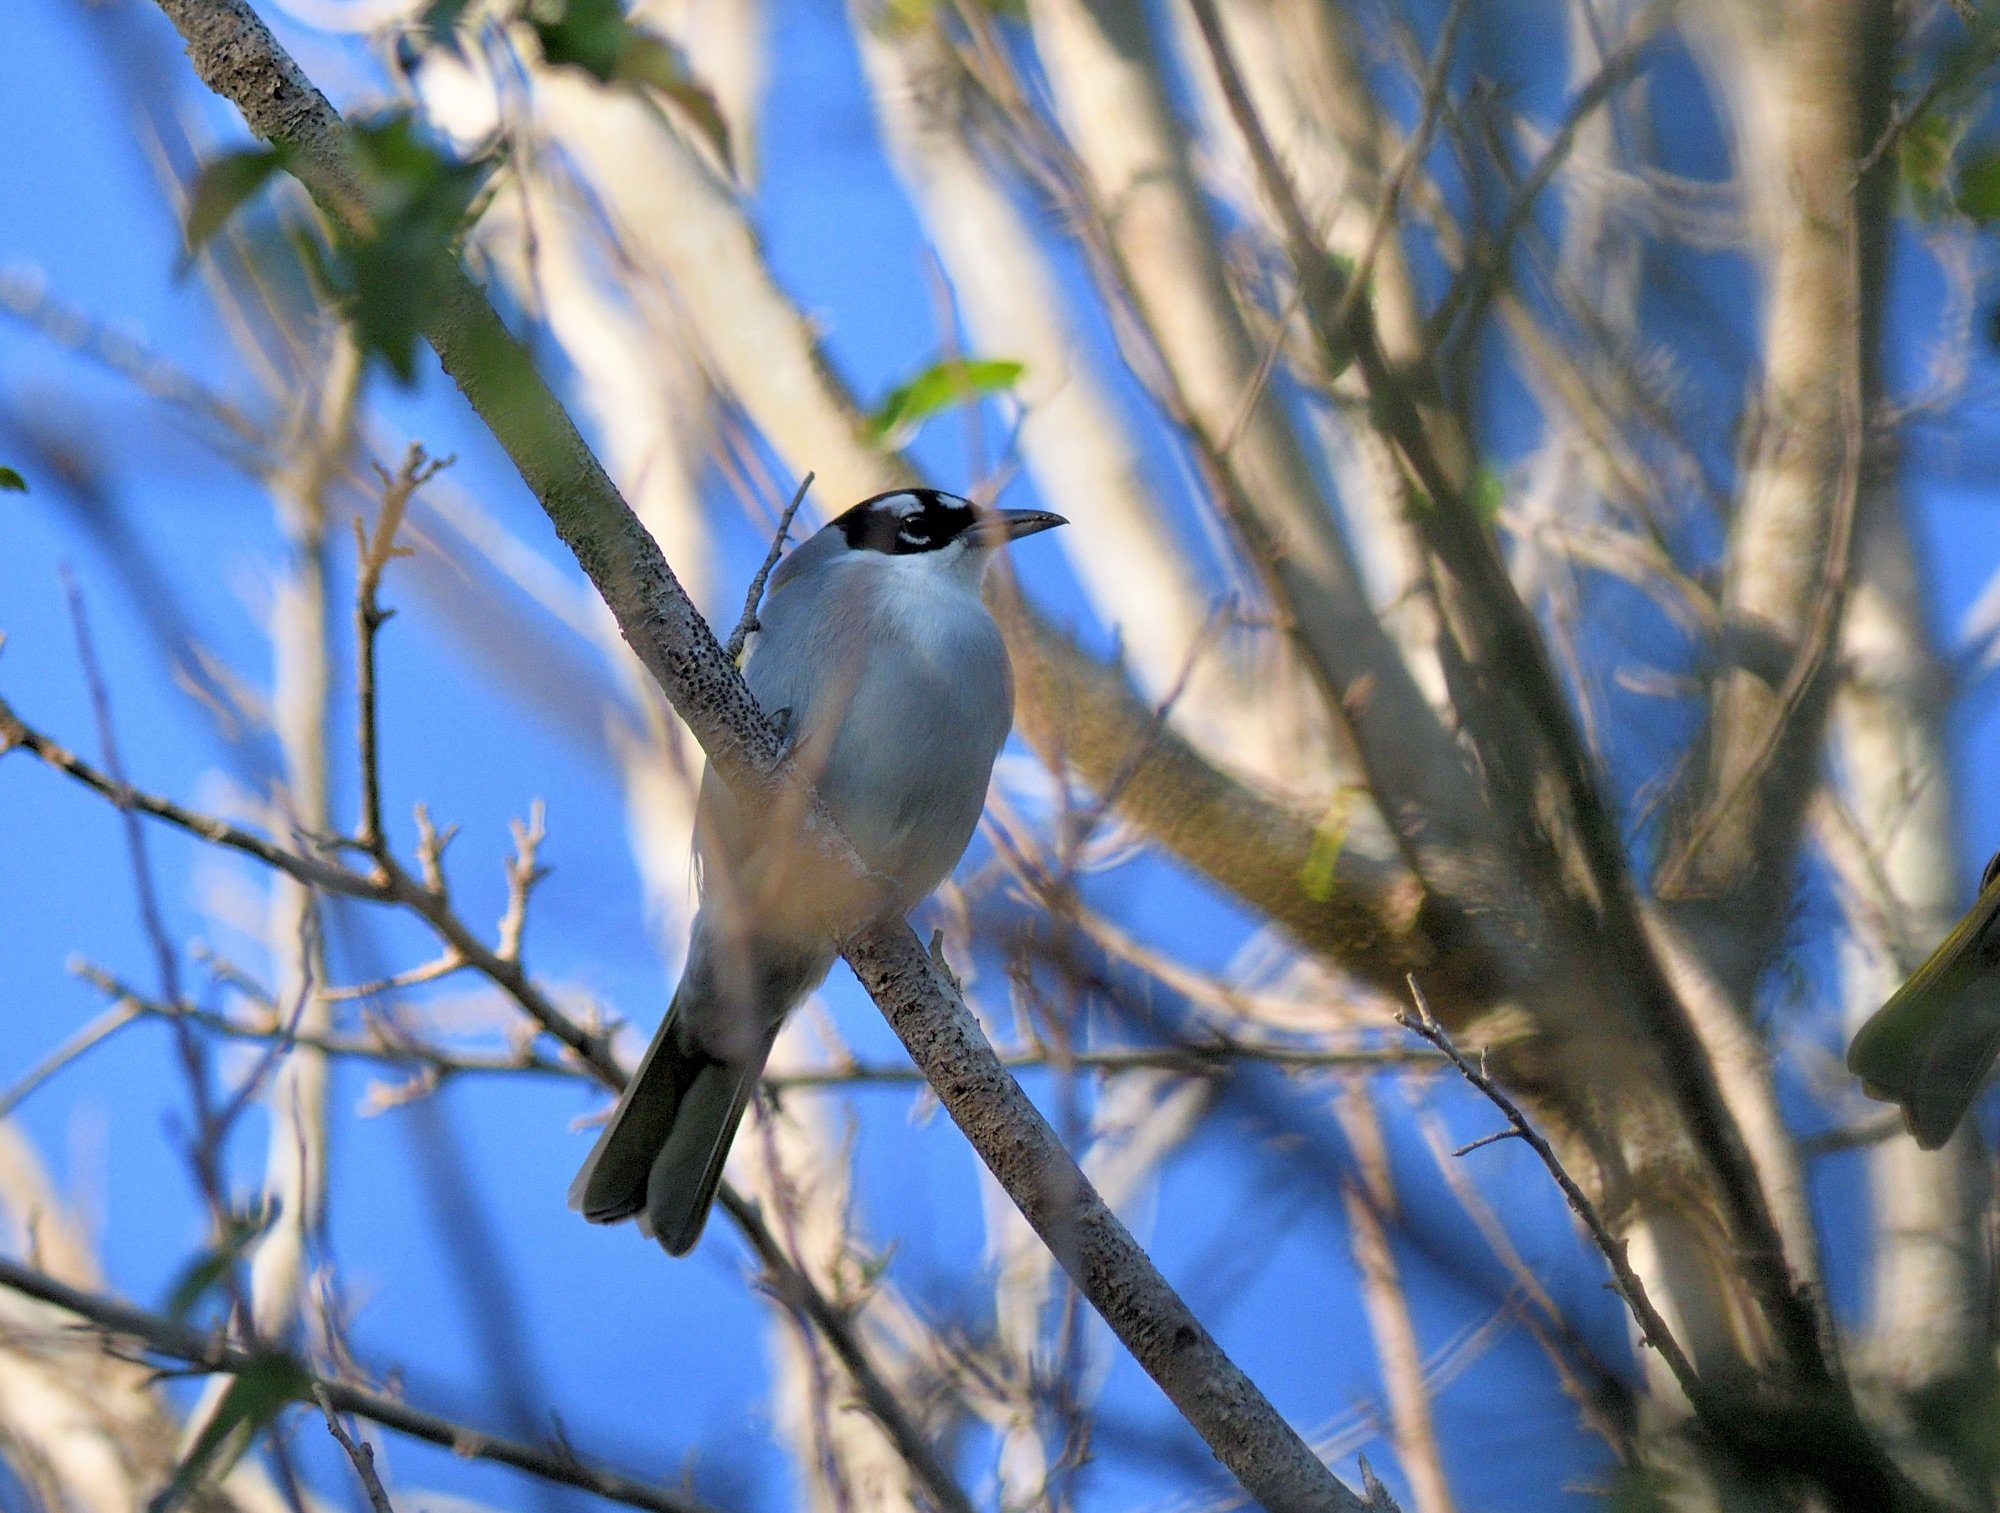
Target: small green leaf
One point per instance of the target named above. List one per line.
(1488, 494)
(656, 63)
(1978, 194)
(939, 387)
(201, 1274)
(1328, 841)
(1923, 160)
(422, 202)
(255, 1397)
(222, 187)
(438, 22)
(12, 482)
(586, 34)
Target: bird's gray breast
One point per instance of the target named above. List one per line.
(901, 698)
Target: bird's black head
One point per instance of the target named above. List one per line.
(908, 520)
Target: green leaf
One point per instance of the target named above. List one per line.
(421, 199)
(656, 63)
(939, 387)
(1923, 161)
(586, 34)
(256, 1396)
(438, 22)
(208, 1267)
(12, 482)
(1329, 839)
(597, 37)
(222, 187)
(1979, 187)
(1487, 495)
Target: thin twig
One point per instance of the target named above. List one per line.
(1487, 260)
(733, 647)
(1195, 1060)
(204, 1146)
(431, 971)
(523, 872)
(95, 1033)
(360, 1452)
(376, 550)
(1411, 158)
(1652, 1327)
(385, 1043)
(190, 1346)
(837, 1325)
(327, 876)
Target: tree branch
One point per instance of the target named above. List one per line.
(182, 1342)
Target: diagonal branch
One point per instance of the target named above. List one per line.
(236, 55)
(184, 1343)
(1652, 1327)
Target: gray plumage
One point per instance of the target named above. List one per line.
(877, 655)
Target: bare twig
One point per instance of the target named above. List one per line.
(1407, 164)
(180, 1342)
(360, 1452)
(326, 876)
(376, 551)
(523, 872)
(733, 647)
(434, 970)
(384, 1042)
(1486, 267)
(1603, 1395)
(837, 1326)
(1195, 1060)
(93, 1034)
(151, 919)
(1652, 1328)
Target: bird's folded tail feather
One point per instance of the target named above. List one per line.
(661, 1153)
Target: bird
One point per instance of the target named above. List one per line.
(1931, 1045)
(877, 659)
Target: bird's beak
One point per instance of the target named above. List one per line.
(1012, 525)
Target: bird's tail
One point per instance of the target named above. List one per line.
(660, 1156)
